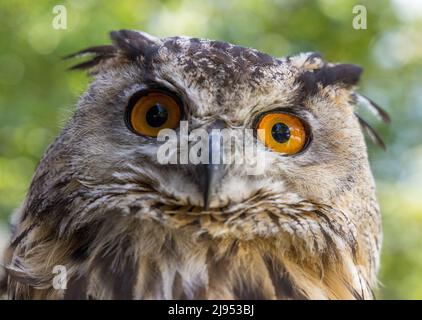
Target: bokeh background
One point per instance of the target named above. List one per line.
(37, 94)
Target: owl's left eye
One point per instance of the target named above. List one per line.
(153, 111)
(283, 132)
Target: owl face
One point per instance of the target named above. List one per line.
(218, 83)
(308, 218)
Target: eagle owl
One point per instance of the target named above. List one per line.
(125, 226)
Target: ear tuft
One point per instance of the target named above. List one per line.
(348, 74)
(316, 73)
(373, 135)
(128, 43)
(133, 43)
(379, 112)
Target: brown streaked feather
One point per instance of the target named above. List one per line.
(128, 43)
(77, 289)
(373, 135)
(284, 288)
(131, 43)
(346, 74)
(22, 277)
(87, 64)
(122, 280)
(375, 108)
(252, 279)
(105, 50)
(100, 53)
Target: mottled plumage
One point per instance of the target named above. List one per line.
(126, 226)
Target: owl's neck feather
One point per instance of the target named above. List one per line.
(151, 261)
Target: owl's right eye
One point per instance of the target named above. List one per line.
(153, 111)
(283, 132)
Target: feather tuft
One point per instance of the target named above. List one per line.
(374, 108)
(373, 135)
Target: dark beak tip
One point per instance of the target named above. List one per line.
(206, 200)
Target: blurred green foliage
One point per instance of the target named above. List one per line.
(37, 94)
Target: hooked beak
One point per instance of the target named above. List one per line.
(211, 174)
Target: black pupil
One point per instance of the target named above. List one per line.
(157, 115)
(280, 132)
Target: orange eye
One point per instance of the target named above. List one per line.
(282, 132)
(153, 112)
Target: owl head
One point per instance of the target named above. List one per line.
(313, 195)
(311, 138)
